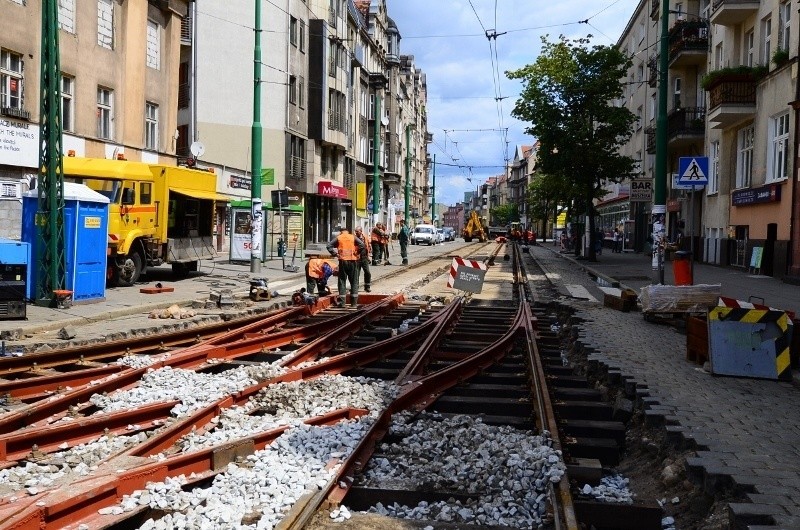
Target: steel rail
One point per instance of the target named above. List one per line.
(103, 350)
(416, 394)
(122, 476)
(564, 507)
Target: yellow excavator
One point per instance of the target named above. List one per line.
(474, 228)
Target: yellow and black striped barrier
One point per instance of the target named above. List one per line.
(750, 342)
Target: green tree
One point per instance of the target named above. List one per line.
(568, 98)
(545, 194)
(504, 214)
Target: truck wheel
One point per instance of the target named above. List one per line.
(128, 269)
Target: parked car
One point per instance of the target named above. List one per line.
(439, 235)
(449, 233)
(423, 234)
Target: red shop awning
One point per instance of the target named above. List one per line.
(329, 189)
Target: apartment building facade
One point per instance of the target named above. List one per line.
(732, 81)
(119, 87)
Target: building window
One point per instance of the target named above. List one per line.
(766, 34)
(301, 97)
(105, 24)
(301, 36)
(292, 90)
(653, 107)
(778, 157)
(719, 57)
(151, 126)
(744, 159)
(785, 12)
(184, 92)
(371, 153)
(66, 15)
(67, 104)
(293, 31)
(750, 48)
(297, 161)
(713, 170)
(105, 113)
(676, 96)
(153, 45)
(10, 79)
(332, 59)
(639, 118)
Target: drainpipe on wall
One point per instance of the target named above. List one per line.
(794, 240)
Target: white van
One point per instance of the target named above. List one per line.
(423, 234)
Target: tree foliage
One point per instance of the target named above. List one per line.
(545, 193)
(568, 98)
(504, 214)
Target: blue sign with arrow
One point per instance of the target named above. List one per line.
(693, 170)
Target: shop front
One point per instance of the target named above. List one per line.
(330, 206)
(760, 227)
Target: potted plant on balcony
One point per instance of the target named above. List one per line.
(780, 57)
(733, 73)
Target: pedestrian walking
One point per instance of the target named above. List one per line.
(402, 238)
(376, 240)
(318, 271)
(363, 260)
(598, 243)
(347, 247)
(615, 239)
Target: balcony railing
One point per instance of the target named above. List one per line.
(15, 112)
(688, 36)
(186, 28)
(732, 91)
(689, 120)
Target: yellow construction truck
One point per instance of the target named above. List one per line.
(157, 214)
(474, 228)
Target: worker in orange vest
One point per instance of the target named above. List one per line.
(376, 239)
(318, 271)
(348, 248)
(363, 259)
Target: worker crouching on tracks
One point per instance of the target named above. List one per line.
(363, 259)
(318, 271)
(348, 248)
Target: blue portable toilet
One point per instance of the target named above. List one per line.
(85, 240)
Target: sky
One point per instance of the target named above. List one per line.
(465, 72)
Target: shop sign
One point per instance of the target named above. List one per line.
(329, 189)
(641, 190)
(237, 181)
(763, 194)
(19, 143)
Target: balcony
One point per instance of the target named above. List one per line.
(184, 95)
(732, 99)
(685, 126)
(650, 139)
(297, 168)
(186, 29)
(652, 70)
(688, 43)
(732, 12)
(15, 112)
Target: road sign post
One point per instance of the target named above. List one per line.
(693, 172)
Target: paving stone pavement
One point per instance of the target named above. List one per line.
(745, 430)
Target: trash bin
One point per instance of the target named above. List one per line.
(281, 248)
(682, 267)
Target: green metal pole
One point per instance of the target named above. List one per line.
(659, 210)
(255, 153)
(408, 172)
(376, 168)
(433, 191)
(50, 179)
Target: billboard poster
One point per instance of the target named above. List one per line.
(240, 238)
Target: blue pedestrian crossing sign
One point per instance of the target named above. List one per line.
(693, 170)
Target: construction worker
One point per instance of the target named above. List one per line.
(402, 238)
(385, 240)
(347, 247)
(318, 270)
(376, 239)
(363, 259)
